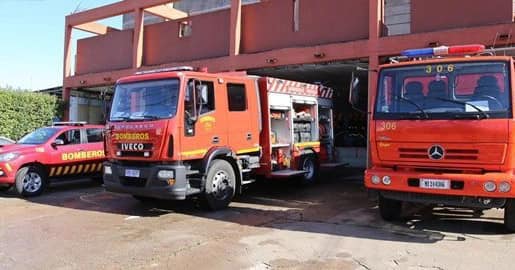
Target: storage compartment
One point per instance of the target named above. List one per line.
(280, 138)
(304, 126)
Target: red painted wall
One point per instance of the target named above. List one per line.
(210, 38)
(112, 51)
(269, 25)
(433, 15)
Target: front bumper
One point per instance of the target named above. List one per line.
(148, 184)
(462, 185)
(7, 173)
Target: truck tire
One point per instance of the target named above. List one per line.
(309, 164)
(390, 210)
(220, 185)
(30, 181)
(509, 215)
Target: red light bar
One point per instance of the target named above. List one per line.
(466, 49)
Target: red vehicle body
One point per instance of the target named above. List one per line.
(442, 133)
(181, 133)
(51, 153)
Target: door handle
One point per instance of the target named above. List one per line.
(249, 136)
(216, 139)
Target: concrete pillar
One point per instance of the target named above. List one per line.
(137, 57)
(235, 36)
(66, 99)
(67, 64)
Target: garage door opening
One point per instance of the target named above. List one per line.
(350, 124)
(90, 104)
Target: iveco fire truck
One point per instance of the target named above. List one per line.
(442, 131)
(177, 133)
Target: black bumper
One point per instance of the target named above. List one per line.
(147, 184)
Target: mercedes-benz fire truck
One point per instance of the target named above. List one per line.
(442, 131)
(177, 133)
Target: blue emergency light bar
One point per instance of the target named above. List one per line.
(444, 50)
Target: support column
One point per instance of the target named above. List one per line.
(67, 65)
(235, 28)
(66, 99)
(137, 54)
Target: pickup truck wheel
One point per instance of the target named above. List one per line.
(509, 215)
(309, 164)
(389, 209)
(5, 187)
(30, 181)
(220, 185)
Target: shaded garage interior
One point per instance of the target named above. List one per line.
(350, 124)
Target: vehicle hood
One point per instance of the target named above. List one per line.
(22, 148)
(475, 142)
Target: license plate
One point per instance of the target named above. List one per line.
(132, 173)
(435, 184)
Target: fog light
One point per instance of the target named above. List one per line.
(376, 179)
(489, 186)
(504, 187)
(387, 180)
(166, 174)
(108, 170)
(119, 153)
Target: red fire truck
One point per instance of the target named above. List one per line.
(442, 131)
(177, 133)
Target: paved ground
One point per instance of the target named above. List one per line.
(272, 226)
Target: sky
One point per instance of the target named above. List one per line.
(32, 40)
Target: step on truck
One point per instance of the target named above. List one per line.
(177, 133)
(441, 131)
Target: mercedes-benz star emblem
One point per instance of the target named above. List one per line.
(436, 152)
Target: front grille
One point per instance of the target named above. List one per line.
(135, 154)
(449, 200)
(450, 154)
(133, 182)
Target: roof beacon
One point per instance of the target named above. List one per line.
(445, 50)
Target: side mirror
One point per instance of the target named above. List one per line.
(354, 94)
(57, 142)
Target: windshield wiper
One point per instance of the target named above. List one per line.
(481, 112)
(119, 119)
(144, 117)
(426, 116)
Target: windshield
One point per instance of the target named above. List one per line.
(147, 100)
(39, 136)
(475, 90)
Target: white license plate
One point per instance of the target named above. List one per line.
(435, 184)
(132, 173)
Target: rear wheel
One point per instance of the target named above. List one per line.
(309, 164)
(509, 215)
(389, 209)
(30, 181)
(220, 185)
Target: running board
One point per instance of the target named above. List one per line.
(287, 173)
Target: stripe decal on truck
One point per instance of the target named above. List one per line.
(75, 169)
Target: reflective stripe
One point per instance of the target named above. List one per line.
(79, 170)
(194, 152)
(100, 166)
(59, 170)
(72, 171)
(86, 168)
(52, 171)
(248, 150)
(93, 167)
(66, 170)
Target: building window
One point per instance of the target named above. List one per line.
(237, 97)
(185, 29)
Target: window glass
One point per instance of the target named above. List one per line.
(94, 135)
(237, 97)
(70, 137)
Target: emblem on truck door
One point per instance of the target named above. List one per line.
(436, 152)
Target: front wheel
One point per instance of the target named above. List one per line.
(389, 209)
(219, 185)
(509, 215)
(30, 181)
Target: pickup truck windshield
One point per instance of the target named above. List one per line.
(148, 100)
(461, 90)
(38, 136)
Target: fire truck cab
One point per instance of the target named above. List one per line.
(441, 131)
(177, 133)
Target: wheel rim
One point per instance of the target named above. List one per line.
(32, 182)
(221, 185)
(309, 167)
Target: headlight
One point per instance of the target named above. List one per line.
(504, 187)
(376, 179)
(387, 180)
(9, 156)
(108, 170)
(489, 186)
(166, 174)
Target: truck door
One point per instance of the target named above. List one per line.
(208, 128)
(243, 116)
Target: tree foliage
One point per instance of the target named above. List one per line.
(24, 111)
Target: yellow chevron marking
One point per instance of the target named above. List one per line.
(79, 170)
(86, 168)
(93, 167)
(66, 170)
(59, 170)
(52, 171)
(100, 167)
(72, 171)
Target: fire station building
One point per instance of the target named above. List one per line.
(314, 41)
